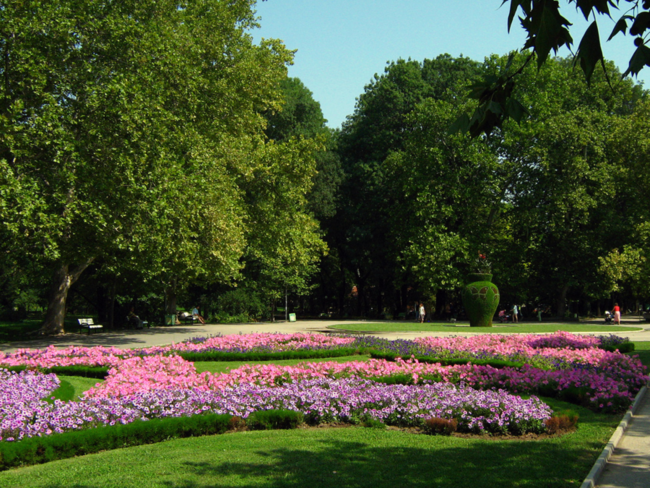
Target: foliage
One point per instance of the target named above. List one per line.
(127, 138)
(274, 419)
(547, 30)
(36, 450)
(435, 425)
(243, 303)
(267, 356)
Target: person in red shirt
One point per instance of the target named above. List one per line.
(617, 314)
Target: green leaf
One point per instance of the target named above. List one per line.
(621, 26)
(641, 23)
(589, 51)
(460, 125)
(515, 110)
(639, 59)
(551, 33)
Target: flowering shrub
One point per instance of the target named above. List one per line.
(20, 396)
(154, 383)
(112, 356)
(347, 400)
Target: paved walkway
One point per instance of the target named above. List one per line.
(629, 466)
(158, 336)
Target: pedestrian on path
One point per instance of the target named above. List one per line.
(423, 312)
(617, 314)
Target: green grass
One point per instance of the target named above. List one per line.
(224, 366)
(72, 387)
(350, 457)
(642, 349)
(497, 329)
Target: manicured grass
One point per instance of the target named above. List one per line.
(72, 387)
(497, 329)
(642, 349)
(350, 457)
(224, 366)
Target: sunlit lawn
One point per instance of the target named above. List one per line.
(524, 328)
(327, 457)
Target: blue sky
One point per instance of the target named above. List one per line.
(341, 44)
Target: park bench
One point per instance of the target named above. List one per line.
(88, 324)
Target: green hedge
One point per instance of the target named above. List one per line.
(495, 363)
(86, 371)
(622, 348)
(267, 356)
(37, 450)
(274, 419)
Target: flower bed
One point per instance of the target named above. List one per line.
(112, 356)
(155, 383)
(321, 400)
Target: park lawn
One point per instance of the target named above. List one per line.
(525, 328)
(326, 457)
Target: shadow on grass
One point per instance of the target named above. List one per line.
(352, 464)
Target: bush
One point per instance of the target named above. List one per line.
(438, 426)
(267, 356)
(224, 318)
(562, 421)
(495, 363)
(242, 302)
(37, 450)
(99, 372)
(274, 419)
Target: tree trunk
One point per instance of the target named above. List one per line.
(63, 279)
(170, 298)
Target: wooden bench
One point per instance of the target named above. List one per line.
(88, 324)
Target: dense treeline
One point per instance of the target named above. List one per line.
(148, 160)
(558, 202)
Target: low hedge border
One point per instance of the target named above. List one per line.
(623, 348)
(274, 419)
(39, 450)
(99, 372)
(495, 363)
(267, 356)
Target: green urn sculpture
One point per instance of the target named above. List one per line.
(481, 299)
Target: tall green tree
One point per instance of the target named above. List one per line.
(126, 129)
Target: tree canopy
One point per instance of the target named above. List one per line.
(130, 133)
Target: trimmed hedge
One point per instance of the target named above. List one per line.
(623, 348)
(495, 363)
(38, 450)
(267, 356)
(274, 419)
(99, 372)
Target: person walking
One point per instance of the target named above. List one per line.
(515, 313)
(423, 312)
(617, 314)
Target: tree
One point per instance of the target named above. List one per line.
(381, 124)
(547, 30)
(126, 130)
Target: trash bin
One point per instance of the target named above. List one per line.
(292, 317)
(170, 320)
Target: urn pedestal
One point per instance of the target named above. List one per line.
(481, 299)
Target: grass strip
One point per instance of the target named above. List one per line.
(267, 356)
(525, 328)
(326, 457)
